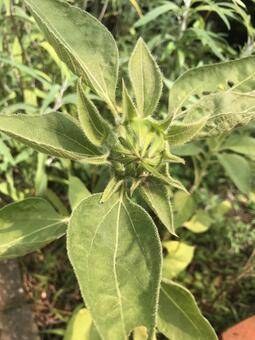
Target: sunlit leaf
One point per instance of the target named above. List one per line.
(115, 251)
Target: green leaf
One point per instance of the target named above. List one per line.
(140, 333)
(240, 143)
(27, 226)
(77, 191)
(237, 74)
(180, 133)
(178, 258)
(168, 180)
(116, 254)
(128, 107)
(55, 133)
(41, 178)
(81, 326)
(146, 79)
(112, 187)
(184, 206)
(82, 42)
(157, 197)
(94, 126)
(225, 111)
(238, 170)
(156, 12)
(179, 317)
(189, 149)
(200, 222)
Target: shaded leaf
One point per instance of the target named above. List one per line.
(77, 191)
(27, 226)
(189, 149)
(156, 12)
(240, 143)
(238, 169)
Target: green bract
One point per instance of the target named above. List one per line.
(113, 243)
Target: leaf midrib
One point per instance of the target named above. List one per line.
(7, 245)
(70, 50)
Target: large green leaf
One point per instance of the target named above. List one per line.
(116, 254)
(146, 79)
(94, 126)
(179, 255)
(54, 133)
(28, 225)
(82, 42)
(224, 110)
(179, 317)
(240, 143)
(157, 197)
(212, 78)
(238, 169)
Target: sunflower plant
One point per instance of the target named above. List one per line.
(112, 241)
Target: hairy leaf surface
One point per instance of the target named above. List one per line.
(238, 74)
(54, 133)
(128, 107)
(146, 79)
(81, 41)
(28, 225)
(225, 110)
(94, 126)
(179, 317)
(116, 254)
(180, 133)
(157, 197)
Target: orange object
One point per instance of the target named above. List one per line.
(244, 330)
